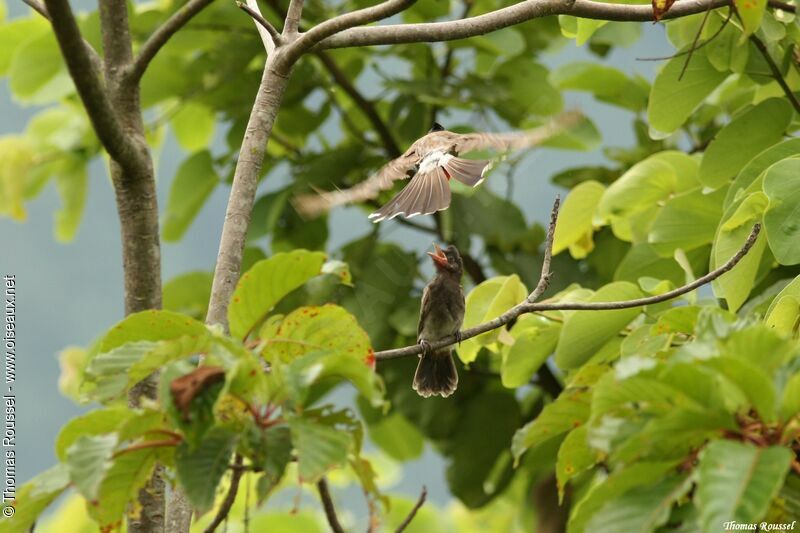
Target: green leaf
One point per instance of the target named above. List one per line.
(261, 287)
(17, 32)
(96, 422)
(742, 139)
(486, 301)
(790, 400)
(751, 172)
(189, 294)
(574, 457)
(201, 468)
(37, 74)
(72, 181)
(150, 325)
(641, 509)
(686, 221)
(615, 485)
(750, 14)
(606, 83)
(317, 366)
(735, 286)
(129, 472)
(33, 497)
(754, 383)
(194, 182)
(782, 218)
(784, 316)
(16, 159)
(737, 481)
(672, 101)
(88, 459)
(396, 436)
(585, 332)
(271, 449)
(638, 189)
(193, 125)
(569, 411)
(319, 446)
(792, 289)
(535, 339)
(575, 226)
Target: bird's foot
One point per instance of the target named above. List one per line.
(426, 347)
(458, 337)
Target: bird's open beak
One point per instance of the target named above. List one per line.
(438, 256)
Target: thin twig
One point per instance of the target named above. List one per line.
(159, 38)
(327, 503)
(529, 306)
(544, 277)
(230, 497)
(413, 512)
(694, 46)
(259, 18)
(38, 7)
(776, 72)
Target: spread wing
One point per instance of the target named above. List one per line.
(315, 204)
(426, 193)
(517, 140)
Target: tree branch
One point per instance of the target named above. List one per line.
(530, 305)
(327, 503)
(230, 497)
(159, 38)
(273, 38)
(344, 22)
(413, 512)
(505, 17)
(87, 82)
(90, 51)
(776, 72)
(243, 190)
(293, 15)
(783, 6)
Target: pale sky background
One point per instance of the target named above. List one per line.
(68, 294)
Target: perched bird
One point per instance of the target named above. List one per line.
(431, 162)
(441, 315)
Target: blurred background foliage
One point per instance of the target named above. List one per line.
(645, 390)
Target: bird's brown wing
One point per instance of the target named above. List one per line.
(470, 142)
(426, 193)
(315, 204)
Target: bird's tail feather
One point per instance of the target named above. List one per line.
(467, 171)
(436, 374)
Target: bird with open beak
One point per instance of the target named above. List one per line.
(441, 315)
(431, 163)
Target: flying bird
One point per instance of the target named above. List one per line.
(430, 163)
(441, 315)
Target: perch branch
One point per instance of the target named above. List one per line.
(505, 17)
(159, 38)
(413, 512)
(230, 497)
(530, 305)
(42, 10)
(327, 503)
